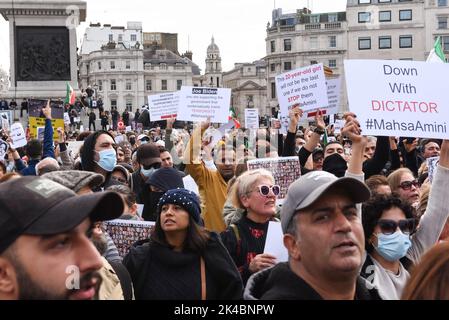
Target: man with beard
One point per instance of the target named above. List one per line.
(45, 253)
(212, 184)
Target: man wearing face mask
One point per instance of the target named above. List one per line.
(149, 160)
(99, 156)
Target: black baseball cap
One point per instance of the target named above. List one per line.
(39, 206)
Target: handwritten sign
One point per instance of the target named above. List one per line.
(198, 104)
(18, 136)
(163, 106)
(406, 98)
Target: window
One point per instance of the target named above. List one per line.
(381, 1)
(442, 3)
(332, 63)
(442, 22)
(129, 105)
(178, 84)
(385, 42)
(100, 85)
(405, 42)
(273, 90)
(364, 17)
(315, 18)
(313, 42)
(128, 65)
(273, 46)
(148, 85)
(332, 41)
(312, 62)
(113, 85)
(405, 15)
(287, 65)
(111, 38)
(332, 17)
(287, 44)
(364, 43)
(364, 1)
(120, 38)
(445, 43)
(384, 16)
(272, 67)
(113, 103)
(112, 64)
(99, 65)
(128, 84)
(164, 85)
(133, 37)
(163, 66)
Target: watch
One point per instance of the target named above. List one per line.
(319, 131)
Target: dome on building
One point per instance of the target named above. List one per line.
(213, 48)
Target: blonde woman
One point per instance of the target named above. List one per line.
(255, 192)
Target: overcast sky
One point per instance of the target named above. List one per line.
(238, 26)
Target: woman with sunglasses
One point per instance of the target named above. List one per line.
(255, 192)
(392, 240)
(404, 185)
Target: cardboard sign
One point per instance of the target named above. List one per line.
(306, 86)
(199, 104)
(163, 106)
(285, 171)
(274, 244)
(18, 136)
(252, 118)
(432, 164)
(37, 118)
(125, 233)
(406, 98)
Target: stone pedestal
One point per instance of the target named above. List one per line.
(43, 46)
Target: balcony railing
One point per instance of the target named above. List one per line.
(332, 25)
(313, 26)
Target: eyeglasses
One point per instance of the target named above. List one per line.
(156, 165)
(407, 226)
(264, 190)
(407, 185)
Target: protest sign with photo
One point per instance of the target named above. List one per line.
(3, 149)
(6, 118)
(285, 171)
(18, 136)
(198, 104)
(125, 233)
(37, 118)
(306, 86)
(252, 118)
(407, 98)
(163, 106)
(432, 164)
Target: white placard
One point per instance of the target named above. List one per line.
(94, 103)
(190, 185)
(399, 98)
(198, 104)
(66, 118)
(3, 149)
(5, 120)
(119, 139)
(74, 148)
(77, 119)
(163, 106)
(432, 164)
(306, 86)
(212, 136)
(338, 125)
(333, 95)
(274, 244)
(18, 136)
(252, 118)
(128, 129)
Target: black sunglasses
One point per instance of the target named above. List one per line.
(407, 185)
(155, 165)
(407, 226)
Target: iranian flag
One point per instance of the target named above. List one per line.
(437, 53)
(233, 117)
(70, 95)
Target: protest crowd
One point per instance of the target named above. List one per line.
(176, 210)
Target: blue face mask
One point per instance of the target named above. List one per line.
(393, 247)
(108, 159)
(147, 173)
(143, 142)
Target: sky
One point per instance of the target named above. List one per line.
(238, 26)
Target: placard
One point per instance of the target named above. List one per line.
(163, 106)
(199, 104)
(37, 118)
(274, 243)
(399, 98)
(432, 164)
(252, 118)
(18, 136)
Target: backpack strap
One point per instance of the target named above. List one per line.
(203, 279)
(236, 231)
(125, 279)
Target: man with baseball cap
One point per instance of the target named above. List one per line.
(44, 249)
(324, 237)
